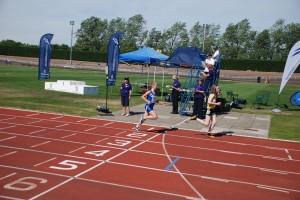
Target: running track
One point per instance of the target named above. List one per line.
(52, 156)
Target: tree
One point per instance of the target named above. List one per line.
(234, 40)
(154, 39)
(262, 46)
(135, 33)
(277, 32)
(89, 34)
(292, 36)
(174, 37)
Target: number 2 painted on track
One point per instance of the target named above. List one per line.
(69, 165)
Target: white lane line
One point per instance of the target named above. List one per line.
(7, 154)
(108, 123)
(34, 121)
(8, 138)
(101, 140)
(176, 169)
(215, 179)
(8, 127)
(77, 149)
(272, 188)
(36, 131)
(12, 198)
(137, 188)
(121, 132)
(69, 135)
(7, 176)
(32, 114)
(288, 153)
(57, 117)
(61, 125)
(274, 171)
(83, 120)
(45, 161)
(33, 146)
(150, 129)
(91, 128)
(222, 163)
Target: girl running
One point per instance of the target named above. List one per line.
(210, 119)
(150, 98)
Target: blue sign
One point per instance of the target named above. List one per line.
(113, 51)
(45, 56)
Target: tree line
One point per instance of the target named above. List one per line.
(238, 41)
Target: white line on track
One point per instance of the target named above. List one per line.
(7, 154)
(272, 188)
(33, 146)
(101, 140)
(8, 127)
(61, 125)
(12, 198)
(7, 176)
(36, 131)
(90, 129)
(58, 117)
(34, 114)
(137, 188)
(69, 135)
(174, 166)
(77, 149)
(83, 120)
(8, 138)
(108, 123)
(39, 120)
(45, 161)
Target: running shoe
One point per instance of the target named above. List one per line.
(137, 129)
(123, 114)
(193, 117)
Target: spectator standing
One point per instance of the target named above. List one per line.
(175, 94)
(125, 94)
(198, 99)
(217, 57)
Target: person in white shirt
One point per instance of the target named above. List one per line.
(216, 54)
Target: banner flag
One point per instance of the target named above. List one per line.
(291, 64)
(45, 56)
(113, 51)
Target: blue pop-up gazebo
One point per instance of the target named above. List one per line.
(144, 55)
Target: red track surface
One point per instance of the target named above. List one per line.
(51, 156)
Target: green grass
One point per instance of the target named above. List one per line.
(20, 88)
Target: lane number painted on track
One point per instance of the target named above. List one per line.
(68, 165)
(23, 184)
(97, 153)
(120, 143)
(137, 135)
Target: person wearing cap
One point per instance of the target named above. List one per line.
(208, 74)
(125, 94)
(175, 93)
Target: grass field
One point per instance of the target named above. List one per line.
(20, 88)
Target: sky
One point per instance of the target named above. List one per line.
(27, 20)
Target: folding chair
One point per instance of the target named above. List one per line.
(231, 96)
(266, 96)
(258, 101)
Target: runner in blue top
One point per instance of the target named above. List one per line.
(125, 93)
(150, 98)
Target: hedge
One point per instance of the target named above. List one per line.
(228, 64)
(56, 53)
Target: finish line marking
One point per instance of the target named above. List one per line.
(171, 164)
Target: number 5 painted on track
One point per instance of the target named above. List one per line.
(71, 164)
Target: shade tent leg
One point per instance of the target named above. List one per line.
(162, 84)
(148, 77)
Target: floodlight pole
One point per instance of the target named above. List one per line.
(72, 24)
(204, 27)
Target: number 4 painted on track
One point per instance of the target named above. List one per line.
(97, 153)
